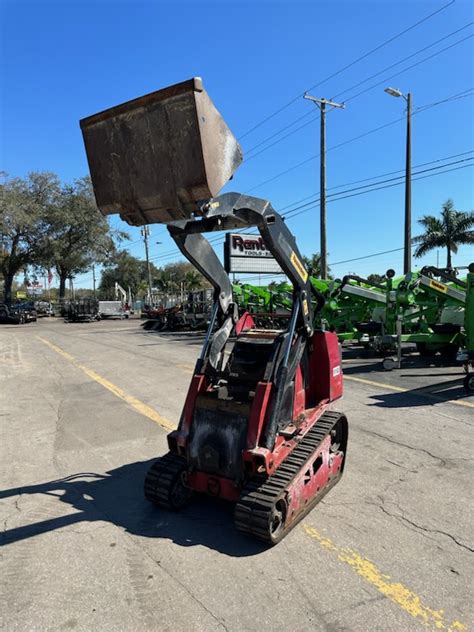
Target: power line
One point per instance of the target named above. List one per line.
(292, 214)
(420, 50)
(350, 140)
(344, 68)
(365, 186)
(421, 61)
(389, 186)
(381, 175)
(348, 90)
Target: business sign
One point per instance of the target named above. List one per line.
(248, 253)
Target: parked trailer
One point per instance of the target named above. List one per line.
(113, 309)
(81, 310)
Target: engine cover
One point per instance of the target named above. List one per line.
(217, 437)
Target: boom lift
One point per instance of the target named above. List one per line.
(256, 428)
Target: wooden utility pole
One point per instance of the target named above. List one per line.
(321, 104)
(145, 233)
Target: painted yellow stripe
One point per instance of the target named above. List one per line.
(403, 597)
(418, 392)
(139, 406)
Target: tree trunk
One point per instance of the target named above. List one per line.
(62, 286)
(7, 289)
(449, 266)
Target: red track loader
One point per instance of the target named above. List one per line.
(256, 427)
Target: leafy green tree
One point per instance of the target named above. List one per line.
(127, 270)
(449, 231)
(79, 235)
(24, 227)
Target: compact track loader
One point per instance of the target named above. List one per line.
(256, 427)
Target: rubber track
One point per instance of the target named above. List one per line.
(161, 477)
(254, 509)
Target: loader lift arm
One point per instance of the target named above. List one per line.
(231, 211)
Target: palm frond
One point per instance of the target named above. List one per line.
(466, 238)
(431, 223)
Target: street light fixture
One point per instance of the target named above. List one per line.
(395, 92)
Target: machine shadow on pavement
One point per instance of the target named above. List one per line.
(367, 364)
(117, 497)
(437, 394)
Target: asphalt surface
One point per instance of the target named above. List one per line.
(83, 412)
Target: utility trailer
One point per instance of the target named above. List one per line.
(256, 427)
(83, 310)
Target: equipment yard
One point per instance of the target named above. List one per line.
(85, 410)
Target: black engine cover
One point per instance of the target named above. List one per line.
(218, 436)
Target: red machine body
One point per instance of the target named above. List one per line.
(317, 382)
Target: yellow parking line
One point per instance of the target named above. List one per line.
(398, 389)
(403, 597)
(139, 406)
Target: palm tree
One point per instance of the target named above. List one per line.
(193, 280)
(451, 230)
(313, 264)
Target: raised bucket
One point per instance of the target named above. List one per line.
(154, 158)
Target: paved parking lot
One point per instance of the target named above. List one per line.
(85, 408)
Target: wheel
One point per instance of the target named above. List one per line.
(277, 521)
(389, 364)
(449, 351)
(425, 350)
(469, 383)
(165, 483)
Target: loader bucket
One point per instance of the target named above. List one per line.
(152, 159)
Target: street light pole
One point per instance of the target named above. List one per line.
(395, 92)
(407, 251)
(322, 103)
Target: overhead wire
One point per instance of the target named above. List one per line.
(354, 138)
(347, 66)
(298, 211)
(315, 114)
(291, 212)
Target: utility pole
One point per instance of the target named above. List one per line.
(321, 104)
(93, 280)
(145, 233)
(395, 92)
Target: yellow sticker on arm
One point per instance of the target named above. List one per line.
(299, 267)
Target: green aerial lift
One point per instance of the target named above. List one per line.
(426, 311)
(466, 354)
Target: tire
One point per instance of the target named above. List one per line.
(389, 364)
(449, 351)
(469, 383)
(425, 350)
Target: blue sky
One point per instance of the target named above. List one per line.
(66, 60)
